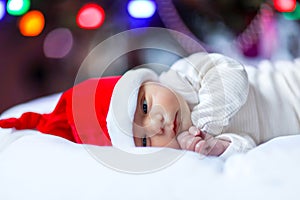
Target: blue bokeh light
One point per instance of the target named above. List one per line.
(141, 8)
(2, 9)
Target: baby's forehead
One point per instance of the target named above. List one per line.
(152, 83)
(154, 87)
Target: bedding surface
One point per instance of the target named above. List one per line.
(37, 166)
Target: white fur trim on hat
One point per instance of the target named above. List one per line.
(123, 105)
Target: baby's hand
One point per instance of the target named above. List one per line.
(189, 139)
(203, 143)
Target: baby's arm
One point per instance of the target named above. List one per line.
(215, 87)
(223, 145)
(239, 143)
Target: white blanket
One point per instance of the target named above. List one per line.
(37, 166)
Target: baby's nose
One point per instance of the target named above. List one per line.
(157, 117)
(157, 123)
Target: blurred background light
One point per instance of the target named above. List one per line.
(2, 9)
(141, 8)
(58, 43)
(17, 7)
(32, 23)
(284, 5)
(242, 29)
(294, 15)
(90, 16)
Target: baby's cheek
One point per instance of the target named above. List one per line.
(174, 144)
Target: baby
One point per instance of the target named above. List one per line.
(207, 103)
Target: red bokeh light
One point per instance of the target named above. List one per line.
(90, 16)
(285, 5)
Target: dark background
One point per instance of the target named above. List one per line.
(232, 27)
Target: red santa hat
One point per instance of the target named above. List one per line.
(79, 116)
(96, 111)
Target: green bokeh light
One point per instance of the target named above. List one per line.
(17, 7)
(294, 15)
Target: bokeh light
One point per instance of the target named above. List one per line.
(58, 43)
(32, 23)
(2, 9)
(17, 7)
(141, 8)
(295, 15)
(90, 16)
(284, 5)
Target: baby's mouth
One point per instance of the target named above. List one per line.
(175, 123)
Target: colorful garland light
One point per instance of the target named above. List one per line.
(32, 23)
(17, 7)
(284, 5)
(90, 16)
(2, 9)
(58, 43)
(294, 15)
(141, 9)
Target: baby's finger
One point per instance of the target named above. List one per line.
(199, 146)
(182, 138)
(207, 147)
(207, 136)
(191, 143)
(182, 135)
(212, 147)
(187, 141)
(197, 132)
(194, 131)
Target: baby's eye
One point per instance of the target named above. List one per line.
(145, 107)
(144, 141)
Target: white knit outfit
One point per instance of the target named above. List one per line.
(247, 106)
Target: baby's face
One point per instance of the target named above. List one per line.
(160, 116)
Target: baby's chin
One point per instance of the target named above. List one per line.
(173, 144)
